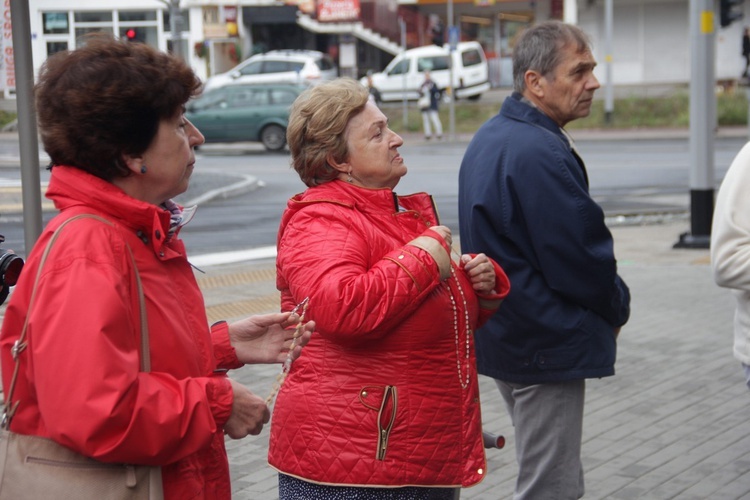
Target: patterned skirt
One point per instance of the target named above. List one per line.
(291, 488)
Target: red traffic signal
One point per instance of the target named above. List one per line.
(131, 34)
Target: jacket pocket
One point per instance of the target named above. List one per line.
(589, 344)
(384, 400)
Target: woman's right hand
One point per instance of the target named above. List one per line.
(249, 413)
(444, 232)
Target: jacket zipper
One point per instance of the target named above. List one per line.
(386, 418)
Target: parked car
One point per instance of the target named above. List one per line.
(405, 73)
(241, 112)
(279, 66)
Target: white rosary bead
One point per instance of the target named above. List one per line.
(464, 381)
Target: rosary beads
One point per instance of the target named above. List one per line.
(288, 362)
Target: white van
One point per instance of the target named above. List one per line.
(406, 71)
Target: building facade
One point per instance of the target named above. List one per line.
(651, 38)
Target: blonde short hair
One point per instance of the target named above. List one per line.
(317, 123)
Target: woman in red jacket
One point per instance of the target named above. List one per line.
(385, 402)
(111, 119)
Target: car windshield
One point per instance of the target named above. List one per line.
(252, 69)
(211, 99)
(400, 68)
(432, 63)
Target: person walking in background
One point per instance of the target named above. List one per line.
(429, 105)
(111, 119)
(730, 249)
(746, 50)
(524, 200)
(384, 403)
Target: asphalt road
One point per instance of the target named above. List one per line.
(631, 177)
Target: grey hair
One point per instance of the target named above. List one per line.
(539, 49)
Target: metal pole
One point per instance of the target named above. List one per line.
(702, 120)
(452, 104)
(404, 102)
(175, 26)
(570, 11)
(27, 131)
(609, 99)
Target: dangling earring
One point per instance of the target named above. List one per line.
(349, 178)
(143, 169)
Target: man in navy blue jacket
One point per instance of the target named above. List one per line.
(524, 201)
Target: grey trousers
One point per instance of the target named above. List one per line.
(548, 425)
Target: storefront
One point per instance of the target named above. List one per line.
(209, 36)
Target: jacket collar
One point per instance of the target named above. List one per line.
(518, 108)
(375, 201)
(73, 188)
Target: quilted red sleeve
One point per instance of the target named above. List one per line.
(357, 289)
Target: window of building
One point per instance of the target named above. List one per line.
(136, 15)
(93, 16)
(65, 29)
(142, 34)
(55, 23)
(54, 47)
(81, 32)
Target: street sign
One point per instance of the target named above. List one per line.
(453, 37)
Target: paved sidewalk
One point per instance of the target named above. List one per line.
(673, 422)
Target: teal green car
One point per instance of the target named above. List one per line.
(244, 113)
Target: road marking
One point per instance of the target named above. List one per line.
(219, 258)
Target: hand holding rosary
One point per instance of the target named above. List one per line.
(298, 330)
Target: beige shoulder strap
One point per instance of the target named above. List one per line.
(20, 345)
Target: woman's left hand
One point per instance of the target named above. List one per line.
(266, 338)
(480, 271)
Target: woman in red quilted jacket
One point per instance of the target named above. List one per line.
(384, 402)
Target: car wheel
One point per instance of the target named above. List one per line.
(273, 138)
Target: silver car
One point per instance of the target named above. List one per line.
(279, 66)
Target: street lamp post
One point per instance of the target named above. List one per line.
(702, 121)
(452, 103)
(404, 103)
(609, 100)
(175, 25)
(27, 129)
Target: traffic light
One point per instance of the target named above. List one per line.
(730, 11)
(131, 34)
(438, 34)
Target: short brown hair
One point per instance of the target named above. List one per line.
(106, 99)
(317, 123)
